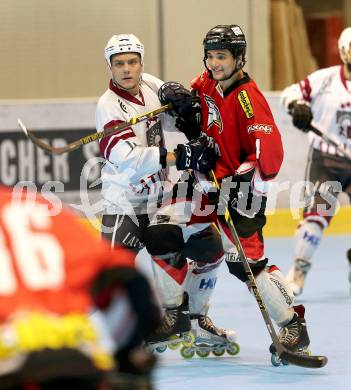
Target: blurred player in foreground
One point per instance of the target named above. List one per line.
(71, 313)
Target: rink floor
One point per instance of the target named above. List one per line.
(328, 315)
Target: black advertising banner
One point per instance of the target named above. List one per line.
(22, 161)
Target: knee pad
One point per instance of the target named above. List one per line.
(307, 238)
(199, 284)
(163, 239)
(236, 267)
(169, 282)
(276, 294)
(204, 246)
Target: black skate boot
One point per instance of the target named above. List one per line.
(174, 330)
(209, 338)
(293, 336)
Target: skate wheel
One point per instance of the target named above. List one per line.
(218, 351)
(275, 359)
(187, 353)
(173, 345)
(161, 348)
(189, 339)
(202, 354)
(233, 349)
(285, 362)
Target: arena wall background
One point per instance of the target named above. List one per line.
(54, 48)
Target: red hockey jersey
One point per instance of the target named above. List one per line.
(240, 125)
(48, 263)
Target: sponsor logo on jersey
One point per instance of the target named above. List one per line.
(214, 116)
(245, 103)
(267, 129)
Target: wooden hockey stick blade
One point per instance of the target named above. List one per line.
(283, 353)
(92, 137)
(43, 145)
(314, 361)
(339, 146)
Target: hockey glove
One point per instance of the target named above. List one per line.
(177, 95)
(245, 192)
(190, 123)
(195, 155)
(301, 114)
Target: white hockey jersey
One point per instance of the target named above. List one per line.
(329, 94)
(132, 176)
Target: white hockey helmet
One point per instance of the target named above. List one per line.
(344, 45)
(123, 43)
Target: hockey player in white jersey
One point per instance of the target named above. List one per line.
(323, 98)
(135, 175)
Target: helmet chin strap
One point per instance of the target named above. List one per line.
(236, 69)
(230, 76)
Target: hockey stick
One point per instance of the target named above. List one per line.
(92, 137)
(283, 353)
(338, 145)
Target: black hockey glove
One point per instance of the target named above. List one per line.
(301, 114)
(238, 194)
(190, 123)
(195, 155)
(177, 95)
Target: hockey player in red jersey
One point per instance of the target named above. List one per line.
(69, 305)
(324, 98)
(239, 125)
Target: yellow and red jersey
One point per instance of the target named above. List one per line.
(240, 125)
(49, 263)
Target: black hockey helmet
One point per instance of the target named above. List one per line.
(226, 36)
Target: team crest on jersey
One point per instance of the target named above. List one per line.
(154, 134)
(214, 116)
(343, 119)
(245, 103)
